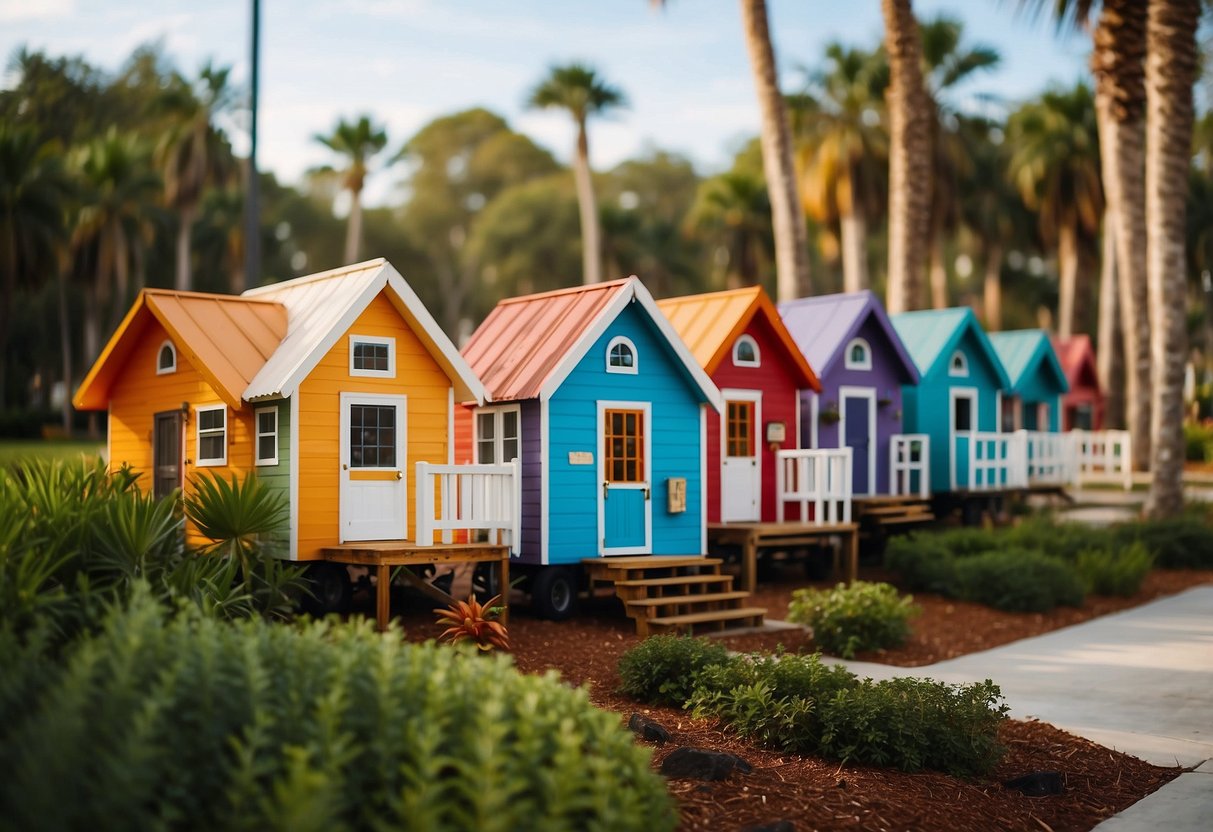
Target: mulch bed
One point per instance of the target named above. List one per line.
(820, 794)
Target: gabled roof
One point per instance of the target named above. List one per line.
(1024, 352)
(1077, 358)
(710, 323)
(226, 338)
(931, 335)
(321, 307)
(527, 346)
(822, 327)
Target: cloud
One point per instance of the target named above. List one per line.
(20, 11)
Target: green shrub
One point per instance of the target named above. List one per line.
(924, 563)
(1046, 536)
(1114, 571)
(661, 669)
(1185, 542)
(194, 723)
(850, 619)
(1017, 580)
(1198, 442)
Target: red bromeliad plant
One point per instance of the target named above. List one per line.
(472, 620)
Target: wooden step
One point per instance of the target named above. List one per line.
(687, 600)
(897, 521)
(689, 620)
(885, 511)
(676, 580)
(650, 562)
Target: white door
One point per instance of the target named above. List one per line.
(374, 503)
(740, 462)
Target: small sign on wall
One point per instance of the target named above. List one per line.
(581, 458)
(776, 432)
(676, 494)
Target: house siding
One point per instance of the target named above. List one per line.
(277, 478)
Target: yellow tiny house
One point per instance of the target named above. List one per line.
(330, 387)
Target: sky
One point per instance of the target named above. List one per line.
(684, 70)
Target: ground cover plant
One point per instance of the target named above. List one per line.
(846, 619)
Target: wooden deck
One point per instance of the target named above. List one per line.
(382, 555)
(752, 537)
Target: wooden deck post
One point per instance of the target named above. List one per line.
(383, 596)
(749, 561)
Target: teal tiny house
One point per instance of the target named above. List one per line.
(1037, 381)
(957, 396)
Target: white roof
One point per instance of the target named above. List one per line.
(321, 307)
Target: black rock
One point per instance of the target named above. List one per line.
(777, 826)
(646, 728)
(1037, 784)
(701, 764)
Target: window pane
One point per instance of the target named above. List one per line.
(166, 357)
(267, 448)
(210, 447)
(487, 423)
(509, 450)
(372, 436)
(210, 419)
(484, 452)
(964, 414)
(371, 357)
(267, 422)
(509, 423)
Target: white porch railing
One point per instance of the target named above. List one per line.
(910, 464)
(819, 481)
(996, 460)
(1051, 458)
(1103, 455)
(469, 497)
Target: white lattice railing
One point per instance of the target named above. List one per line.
(1103, 455)
(818, 481)
(1051, 458)
(996, 460)
(910, 464)
(469, 497)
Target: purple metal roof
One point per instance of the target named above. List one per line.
(823, 325)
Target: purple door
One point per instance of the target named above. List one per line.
(857, 433)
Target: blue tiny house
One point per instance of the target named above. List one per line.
(958, 393)
(1038, 381)
(608, 420)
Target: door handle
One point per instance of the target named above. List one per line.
(606, 485)
(646, 493)
(399, 475)
(345, 466)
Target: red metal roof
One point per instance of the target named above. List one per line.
(1075, 353)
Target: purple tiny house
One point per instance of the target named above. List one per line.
(861, 364)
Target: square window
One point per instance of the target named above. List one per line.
(372, 356)
(267, 435)
(212, 436)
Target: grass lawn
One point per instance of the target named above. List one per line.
(16, 450)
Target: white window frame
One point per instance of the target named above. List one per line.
(741, 362)
(377, 341)
(258, 435)
(850, 363)
(498, 414)
(209, 462)
(163, 371)
(627, 342)
(963, 370)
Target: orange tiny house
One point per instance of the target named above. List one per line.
(330, 387)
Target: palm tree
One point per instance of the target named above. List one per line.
(842, 150)
(33, 192)
(1172, 67)
(357, 142)
(910, 115)
(735, 206)
(1055, 167)
(579, 90)
(191, 153)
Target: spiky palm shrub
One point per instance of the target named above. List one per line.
(187, 722)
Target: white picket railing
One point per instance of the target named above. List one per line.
(996, 460)
(469, 497)
(1051, 458)
(1103, 455)
(819, 481)
(910, 455)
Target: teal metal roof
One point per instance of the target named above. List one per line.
(929, 334)
(1024, 352)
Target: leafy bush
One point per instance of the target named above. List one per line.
(1198, 442)
(193, 723)
(850, 619)
(1185, 542)
(1017, 580)
(661, 669)
(1114, 571)
(923, 561)
(1044, 535)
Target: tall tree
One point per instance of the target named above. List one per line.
(910, 115)
(1055, 166)
(579, 90)
(191, 153)
(356, 143)
(1172, 67)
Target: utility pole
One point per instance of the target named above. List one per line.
(252, 207)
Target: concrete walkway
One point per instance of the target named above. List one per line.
(1139, 681)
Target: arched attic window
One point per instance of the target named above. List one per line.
(958, 365)
(621, 356)
(745, 352)
(859, 355)
(166, 359)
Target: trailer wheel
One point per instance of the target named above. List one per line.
(554, 592)
(486, 581)
(330, 587)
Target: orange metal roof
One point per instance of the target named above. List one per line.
(523, 340)
(710, 323)
(227, 338)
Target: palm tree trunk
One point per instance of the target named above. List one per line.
(9, 290)
(1067, 276)
(910, 115)
(185, 230)
(122, 280)
(1109, 357)
(353, 228)
(854, 251)
(787, 214)
(65, 348)
(939, 274)
(591, 246)
(1171, 70)
(992, 289)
